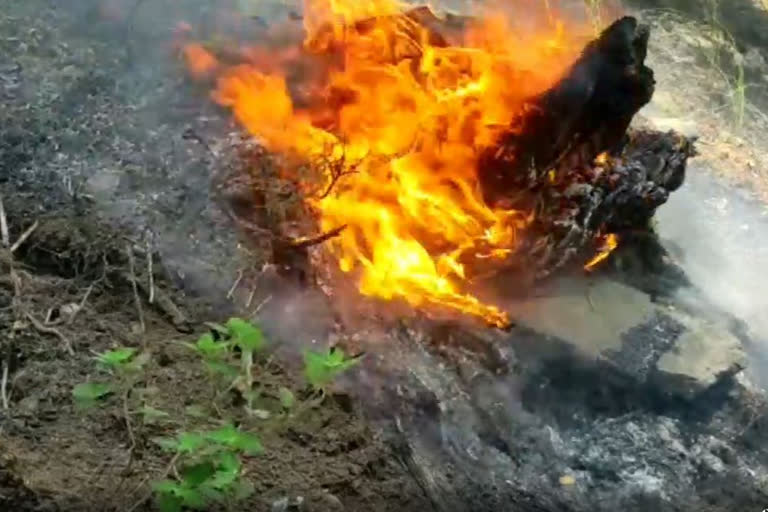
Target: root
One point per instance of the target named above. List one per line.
(137, 300)
(4, 238)
(4, 386)
(37, 324)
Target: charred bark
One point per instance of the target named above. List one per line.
(586, 113)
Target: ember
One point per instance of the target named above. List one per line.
(446, 147)
(610, 242)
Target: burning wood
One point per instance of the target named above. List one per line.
(454, 148)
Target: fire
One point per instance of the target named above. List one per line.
(609, 243)
(199, 60)
(395, 119)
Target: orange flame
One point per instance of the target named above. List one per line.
(199, 60)
(609, 243)
(396, 120)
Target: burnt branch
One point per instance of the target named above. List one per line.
(309, 242)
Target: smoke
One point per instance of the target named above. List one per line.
(720, 235)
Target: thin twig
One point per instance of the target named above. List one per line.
(82, 304)
(137, 299)
(263, 303)
(250, 298)
(37, 324)
(3, 225)
(4, 386)
(23, 238)
(235, 284)
(150, 269)
(308, 242)
(334, 179)
(128, 426)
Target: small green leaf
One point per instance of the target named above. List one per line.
(152, 415)
(192, 498)
(221, 368)
(91, 391)
(321, 368)
(166, 443)
(209, 347)
(167, 496)
(287, 399)
(223, 435)
(196, 474)
(168, 502)
(228, 461)
(233, 438)
(248, 444)
(165, 487)
(189, 442)
(242, 490)
(117, 357)
(227, 471)
(211, 494)
(247, 336)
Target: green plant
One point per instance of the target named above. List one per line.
(215, 356)
(210, 469)
(232, 356)
(250, 340)
(322, 368)
(123, 366)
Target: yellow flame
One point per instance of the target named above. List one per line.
(403, 120)
(609, 243)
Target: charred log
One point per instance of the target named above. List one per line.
(584, 114)
(619, 196)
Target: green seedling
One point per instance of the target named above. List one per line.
(122, 364)
(322, 368)
(87, 394)
(211, 469)
(219, 356)
(115, 359)
(250, 340)
(214, 355)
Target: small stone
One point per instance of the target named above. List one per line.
(331, 502)
(261, 414)
(29, 405)
(280, 505)
(567, 480)
(68, 310)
